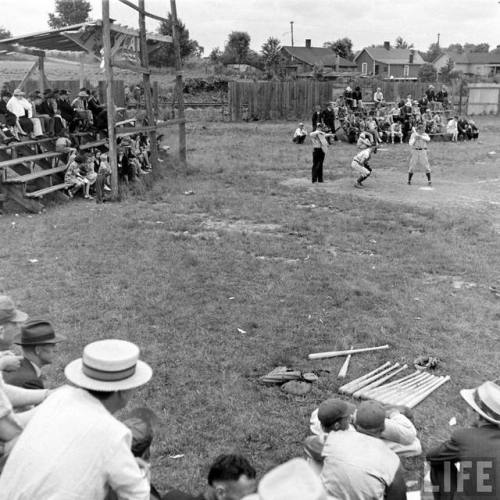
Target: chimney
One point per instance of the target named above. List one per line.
(387, 45)
(412, 55)
(308, 43)
(337, 63)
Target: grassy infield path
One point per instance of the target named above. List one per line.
(298, 269)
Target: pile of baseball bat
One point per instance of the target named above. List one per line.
(409, 390)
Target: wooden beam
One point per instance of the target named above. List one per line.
(22, 50)
(141, 10)
(42, 81)
(130, 67)
(179, 86)
(146, 81)
(106, 39)
(131, 31)
(122, 132)
(27, 76)
(86, 46)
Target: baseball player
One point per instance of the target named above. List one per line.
(418, 157)
(360, 165)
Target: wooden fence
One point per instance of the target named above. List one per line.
(295, 100)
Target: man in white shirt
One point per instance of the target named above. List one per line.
(21, 108)
(300, 134)
(74, 448)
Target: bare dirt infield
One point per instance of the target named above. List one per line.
(465, 175)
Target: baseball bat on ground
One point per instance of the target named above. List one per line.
(396, 394)
(333, 354)
(353, 387)
(345, 366)
(361, 392)
(358, 380)
(397, 384)
(418, 399)
(402, 400)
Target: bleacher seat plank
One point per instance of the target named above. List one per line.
(35, 175)
(42, 192)
(31, 142)
(32, 158)
(94, 144)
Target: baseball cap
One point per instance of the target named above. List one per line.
(370, 415)
(332, 410)
(9, 313)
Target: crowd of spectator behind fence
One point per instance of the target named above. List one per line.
(390, 122)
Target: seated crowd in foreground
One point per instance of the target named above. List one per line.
(390, 123)
(66, 442)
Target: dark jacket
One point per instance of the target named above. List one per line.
(25, 376)
(328, 117)
(478, 451)
(316, 119)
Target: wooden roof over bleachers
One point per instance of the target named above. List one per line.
(83, 37)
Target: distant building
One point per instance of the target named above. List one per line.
(484, 64)
(301, 60)
(389, 62)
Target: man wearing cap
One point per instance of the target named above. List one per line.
(38, 342)
(475, 448)
(358, 465)
(74, 447)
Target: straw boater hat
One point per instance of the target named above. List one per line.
(293, 480)
(109, 365)
(9, 313)
(485, 400)
(18, 92)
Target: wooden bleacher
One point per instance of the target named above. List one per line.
(32, 169)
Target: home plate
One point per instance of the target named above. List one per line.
(426, 188)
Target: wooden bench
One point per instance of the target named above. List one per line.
(42, 192)
(30, 159)
(31, 142)
(35, 175)
(94, 144)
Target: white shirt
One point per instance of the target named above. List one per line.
(19, 106)
(73, 449)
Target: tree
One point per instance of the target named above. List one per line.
(427, 73)
(215, 55)
(69, 12)
(480, 47)
(341, 47)
(4, 33)
(401, 43)
(455, 47)
(165, 55)
(271, 55)
(237, 47)
(433, 52)
(447, 71)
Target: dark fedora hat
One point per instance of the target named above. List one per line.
(37, 332)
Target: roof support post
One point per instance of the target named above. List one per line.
(113, 156)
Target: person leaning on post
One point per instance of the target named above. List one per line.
(74, 447)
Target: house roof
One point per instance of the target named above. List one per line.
(392, 55)
(473, 57)
(318, 55)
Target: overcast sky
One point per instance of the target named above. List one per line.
(365, 22)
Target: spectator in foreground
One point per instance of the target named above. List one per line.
(38, 341)
(73, 447)
(476, 448)
(358, 464)
(300, 134)
(75, 179)
(293, 480)
(10, 320)
(231, 477)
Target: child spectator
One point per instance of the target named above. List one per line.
(87, 170)
(452, 129)
(300, 134)
(74, 178)
(103, 173)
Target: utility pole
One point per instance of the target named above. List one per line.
(439, 35)
(291, 30)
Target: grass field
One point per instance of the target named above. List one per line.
(298, 268)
